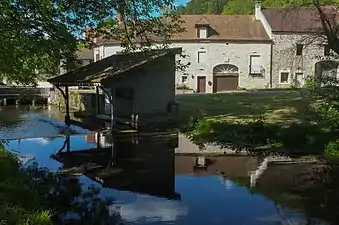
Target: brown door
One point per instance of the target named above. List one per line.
(201, 85)
(226, 83)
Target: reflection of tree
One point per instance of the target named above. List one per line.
(71, 203)
(10, 117)
(321, 196)
(315, 192)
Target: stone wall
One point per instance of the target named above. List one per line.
(286, 60)
(79, 100)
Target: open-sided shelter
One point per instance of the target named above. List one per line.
(137, 85)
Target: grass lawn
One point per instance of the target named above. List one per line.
(276, 108)
(273, 121)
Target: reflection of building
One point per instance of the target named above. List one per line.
(100, 139)
(146, 167)
(227, 166)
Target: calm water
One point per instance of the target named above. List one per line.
(142, 181)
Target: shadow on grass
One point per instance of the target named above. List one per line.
(240, 105)
(258, 137)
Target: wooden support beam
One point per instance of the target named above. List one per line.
(112, 97)
(67, 116)
(68, 143)
(97, 100)
(98, 137)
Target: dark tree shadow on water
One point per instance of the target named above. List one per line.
(313, 191)
(72, 202)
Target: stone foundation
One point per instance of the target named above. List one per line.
(79, 100)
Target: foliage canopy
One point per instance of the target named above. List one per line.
(37, 34)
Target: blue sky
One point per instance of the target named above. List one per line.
(182, 2)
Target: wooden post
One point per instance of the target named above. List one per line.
(112, 108)
(67, 117)
(98, 137)
(98, 100)
(113, 159)
(68, 143)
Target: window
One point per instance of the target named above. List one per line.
(202, 56)
(327, 50)
(255, 64)
(202, 32)
(284, 77)
(300, 49)
(97, 57)
(184, 79)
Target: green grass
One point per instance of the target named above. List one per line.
(279, 122)
(275, 107)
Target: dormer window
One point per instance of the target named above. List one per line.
(202, 32)
(202, 27)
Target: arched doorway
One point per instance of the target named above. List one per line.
(225, 77)
(327, 72)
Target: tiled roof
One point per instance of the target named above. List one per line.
(224, 27)
(202, 21)
(221, 27)
(297, 19)
(111, 67)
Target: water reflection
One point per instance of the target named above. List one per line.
(125, 165)
(28, 122)
(142, 181)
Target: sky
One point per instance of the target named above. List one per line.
(182, 2)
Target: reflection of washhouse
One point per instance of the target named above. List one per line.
(145, 167)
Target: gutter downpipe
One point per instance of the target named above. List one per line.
(271, 65)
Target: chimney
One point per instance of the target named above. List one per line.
(257, 11)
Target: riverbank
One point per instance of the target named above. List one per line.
(21, 200)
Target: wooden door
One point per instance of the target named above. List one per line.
(201, 85)
(299, 79)
(225, 83)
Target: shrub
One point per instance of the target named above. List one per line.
(15, 186)
(183, 87)
(332, 149)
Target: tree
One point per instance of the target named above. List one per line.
(329, 21)
(240, 7)
(37, 34)
(202, 7)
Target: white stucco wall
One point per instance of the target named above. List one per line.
(237, 54)
(234, 53)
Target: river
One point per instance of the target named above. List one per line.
(144, 181)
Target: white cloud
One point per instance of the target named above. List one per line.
(149, 210)
(41, 141)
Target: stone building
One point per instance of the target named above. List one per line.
(139, 87)
(84, 57)
(224, 52)
(299, 52)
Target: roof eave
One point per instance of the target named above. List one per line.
(75, 84)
